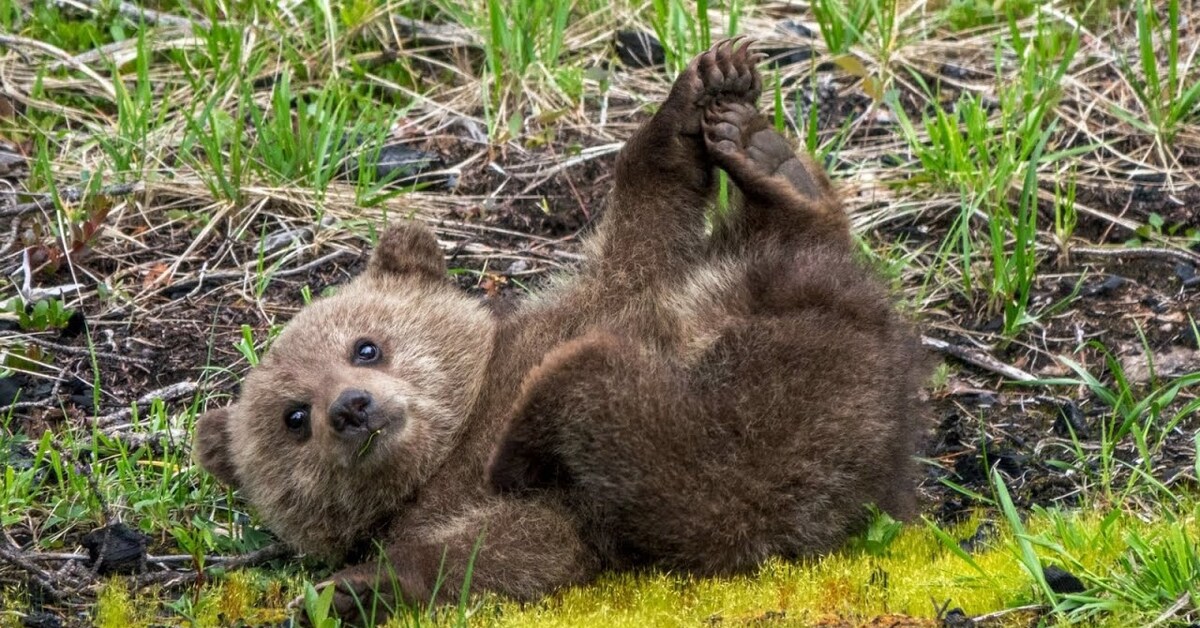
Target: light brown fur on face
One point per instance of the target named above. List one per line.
(697, 402)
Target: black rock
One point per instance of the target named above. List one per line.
(639, 49)
(119, 548)
(956, 618)
(796, 28)
(1062, 581)
(984, 533)
(402, 165)
(1104, 288)
(780, 57)
(1187, 274)
(75, 325)
(1156, 305)
(1071, 419)
(10, 390)
(16, 456)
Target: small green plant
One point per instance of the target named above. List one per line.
(318, 607)
(1145, 419)
(1026, 554)
(139, 112)
(43, 315)
(881, 532)
(247, 347)
(1065, 217)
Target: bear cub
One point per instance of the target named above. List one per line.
(692, 399)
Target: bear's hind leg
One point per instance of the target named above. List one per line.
(653, 224)
(786, 195)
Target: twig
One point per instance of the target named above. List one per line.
(230, 275)
(446, 34)
(12, 41)
(173, 578)
(43, 577)
(977, 358)
(1134, 252)
(166, 393)
(1166, 615)
(69, 195)
(84, 351)
(1007, 611)
(135, 13)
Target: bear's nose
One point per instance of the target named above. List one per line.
(350, 411)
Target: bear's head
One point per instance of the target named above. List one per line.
(357, 402)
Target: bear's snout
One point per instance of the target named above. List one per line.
(351, 413)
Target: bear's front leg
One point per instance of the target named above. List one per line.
(520, 549)
(653, 224)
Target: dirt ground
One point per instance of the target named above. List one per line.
(1130, 303)
(506, 228)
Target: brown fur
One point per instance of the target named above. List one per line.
(687, 401)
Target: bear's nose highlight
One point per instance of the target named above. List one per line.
(350, 410)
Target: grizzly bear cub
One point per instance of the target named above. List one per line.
(687, 400)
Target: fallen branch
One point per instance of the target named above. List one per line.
(12, 41)
(69, 195)
(1141, 252)
(175, 391)
(135, 13)
(172, 578)
(82, 351)
(978, 358)
(44, 578)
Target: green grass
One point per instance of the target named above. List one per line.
(268, 117)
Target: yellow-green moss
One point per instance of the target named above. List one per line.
(914, 577)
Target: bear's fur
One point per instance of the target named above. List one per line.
(691, 401)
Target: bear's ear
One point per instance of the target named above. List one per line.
(211, 448)
(408, 248)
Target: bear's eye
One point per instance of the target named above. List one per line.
(366, 352)
(296, 419)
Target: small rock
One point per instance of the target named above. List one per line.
(795, 27)
(76, 323)
(984, 533)
(16, 456)
(955, 71)
(119, 548)
(1071, 419)
(956, 618)
(10, 390)
(401, 165)
(1062, 581)
(1105, 287)
(409, 166)
(639, 49)
(781, 57)
(1156, 305)
(1174, 362)
(284, 237)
